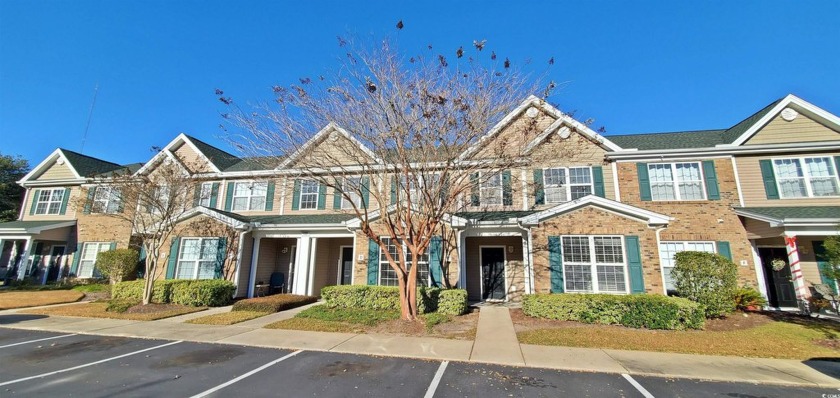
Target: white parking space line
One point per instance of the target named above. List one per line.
(87, 364)
(436, 380)
(259, 369)
(35, 341)
(638, 386)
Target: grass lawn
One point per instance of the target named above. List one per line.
(321, 318)
(137, 313)
(92, 288)
(23, 299)
(228, 318)
(764, 335)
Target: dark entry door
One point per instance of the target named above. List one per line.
(56, 259)
(779, 283)
(493, 273)
(346, 265)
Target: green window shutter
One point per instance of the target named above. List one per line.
(221, 255)
(475, 197)
(337, 194)
(555, 264)
(436, 261)
(89, 202)
(197, 194)
(824, 265)
(365, 192)
(373, 262)
(709, 173)
(322, 196)
(269, 197)
(769, 178)
(173, 258)
(644, 181)
(76, 257)
(214, 195)
(34, 202)
(36, 257)
(837, 165)
(296, 195)
(393, 190)
(539, 191)
(64, 200)
(598, 181)
(141, 262)
(113, 245)
(507, 192)
(723, 249)
(229, 197)
(634, 264)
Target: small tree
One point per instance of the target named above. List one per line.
(709, 279)
(12, 169)
(831, 268)
(118, 264)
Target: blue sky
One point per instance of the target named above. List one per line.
(634, 67)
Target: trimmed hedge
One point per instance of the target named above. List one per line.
(387, 298)
(199, 293)
(275, 303)
(452, 302)
(636, 311)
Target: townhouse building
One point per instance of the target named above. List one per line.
(583, 213)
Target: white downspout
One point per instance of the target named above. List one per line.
(529, 260)
(661, 268)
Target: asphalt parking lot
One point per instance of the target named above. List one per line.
(36, 363)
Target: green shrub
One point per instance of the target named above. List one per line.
(275, 303)
(358, 316)
(452, 302)
(121, 305)
(638, 311)
(429, 299)
(746, 297)
(117, 264)
(92, 288)
(202, 293)
(708, 279)
(435, 318)
(164, 290)
(128, 290)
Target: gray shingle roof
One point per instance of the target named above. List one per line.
(17, 225)
(88, 166)
(791, 212)
(302, 219)
(221, 159)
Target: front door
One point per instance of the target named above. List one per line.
(56, 262)
(346, 277)
(779, 283)
(493, 273)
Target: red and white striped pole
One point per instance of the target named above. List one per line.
(796, 269)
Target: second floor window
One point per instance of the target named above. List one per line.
(676, 181)
(49, 201)
(249, 196)
(351, 187)
(491, 189)
(806, 177)
(562, 184)
(106, 200)
(308, 194)
(205, 193)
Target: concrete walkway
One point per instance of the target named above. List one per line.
(495, 343)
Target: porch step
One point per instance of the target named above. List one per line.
(495, 339)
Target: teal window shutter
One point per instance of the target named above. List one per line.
(269, 196)
(824, 265)
(634, 264)
(507, 191)
(197, 194)
(373, 263)
(296, 195)
(91, 193)
(322, 196)
(34, 202)
(393, 190)
(337, 194)
(475, 197)
(64, 200)
(173, 258)
(214, 195)
(723, 249)
(141, 262)
(709, 173)
(644, 181)
(837, 165)
(555, 264)
(76, 257)
(539, 191)
(365, 192)
(436, 261)
(769, 178)
(598, 181)
(113, 245)
(221, 256)
(36, 257)
(229, 197)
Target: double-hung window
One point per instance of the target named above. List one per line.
(204, 194)
(562, 184)
(49, 201)
(667, 250)
(197, 258)
(106, 200)
(387, 275)
(87, 257)
(249, 196)
(158, 199)
(308, 194)
(806, 177)
(491, 189)
(351, 187)
(594, 264)
(676, 181)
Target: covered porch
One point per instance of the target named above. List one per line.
(37, 251)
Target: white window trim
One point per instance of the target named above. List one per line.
(481, 188)
(251, 185)
(806, 175)
(385, 263)
(683, 242)
(205, 194)
(316, 193)
(107, 202)
(676, 181)
(593, 264)
(107, 246)
(48, 202)
(196, 261)
(568, 185)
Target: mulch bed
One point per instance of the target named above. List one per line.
(460, 328)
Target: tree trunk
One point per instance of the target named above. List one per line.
(408, 298)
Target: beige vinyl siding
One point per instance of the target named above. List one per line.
(512, 137)
(327, 262)
(801, 129)
(191, 159)
(223, 195)
(752, 184)
(333, 150)
(70, 214)
(56, 172)
(759, 229)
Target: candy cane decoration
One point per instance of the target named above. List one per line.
(795, 269)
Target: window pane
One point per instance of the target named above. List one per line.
(206, 270)
(661, 182)
(576, 249)
(791, 178)
(241, 189)
(240, 203)
(257, 203)
(578, 277)
(581, 191)
(190, 249)
(186, 270)
(608, 250)
(611, 278)
(580, 175)
(823, 177)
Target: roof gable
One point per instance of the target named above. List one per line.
(328, 143)
(625, 210)
(743, 131)
(196, 147)
(68, 164)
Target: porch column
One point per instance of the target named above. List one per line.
(23, 263)
(310, 283)
(462, 260)
(302, 265)
(527, 261)
(796, 271)
(255, 256)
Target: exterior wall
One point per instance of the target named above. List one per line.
(56, 172)
(285, 189)
(245, 266)
(515, 136)
(759, 229)
(201, 226)
(752, 184)
(328, 262)
(223, 195)
(191, 159)
(70, 214)
(514, 266)
(801, 129)
(333, 150)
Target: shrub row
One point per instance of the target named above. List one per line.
(275, 303)
(379, 298)
(637, 311)
(209, 292)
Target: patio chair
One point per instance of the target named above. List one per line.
(278, 281)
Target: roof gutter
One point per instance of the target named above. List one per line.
(722, 150)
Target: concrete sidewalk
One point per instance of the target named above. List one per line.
(495, 343)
